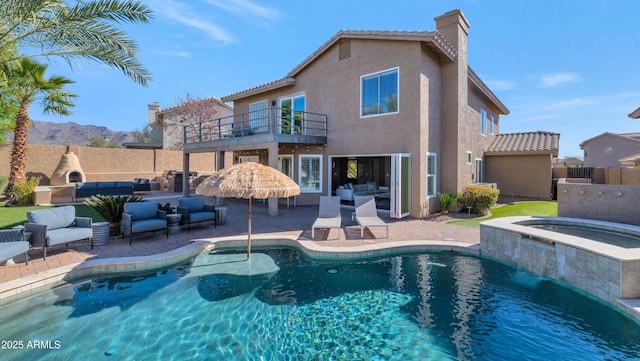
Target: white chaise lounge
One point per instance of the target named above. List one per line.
(328, 215)
(367, 214)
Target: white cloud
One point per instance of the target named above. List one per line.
(178, 53)
(248, 10)
(184, 14)
(552, 80)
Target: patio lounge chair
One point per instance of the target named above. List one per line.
(367, 215)
(193, 210)
(328, 215)
(13, 243)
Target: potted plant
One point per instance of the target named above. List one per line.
(446, 201)
(111, 208)
(167, 207)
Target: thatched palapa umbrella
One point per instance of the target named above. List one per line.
(249, 180)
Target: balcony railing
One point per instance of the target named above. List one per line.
(276, 121)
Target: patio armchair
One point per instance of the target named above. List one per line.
(193, 210)
(139, 217)
(141, 185)
(13, 243)
(58, 225)
(328, 215)
(367, 214)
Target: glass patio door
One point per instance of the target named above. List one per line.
(292, 115)
(400, 185)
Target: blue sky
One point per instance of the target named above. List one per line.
(569, 66)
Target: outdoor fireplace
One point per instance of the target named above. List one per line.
(68, 170)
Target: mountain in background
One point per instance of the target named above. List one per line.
(72, 133)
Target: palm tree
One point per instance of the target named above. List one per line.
(26, 82)
(84, 30)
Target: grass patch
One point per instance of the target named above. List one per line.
(16, 216)
(545, 209)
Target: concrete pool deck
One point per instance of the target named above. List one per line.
(292, 227)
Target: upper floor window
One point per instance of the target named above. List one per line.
(608, 150)
(379, 93)
(483, 121)
(492, 124)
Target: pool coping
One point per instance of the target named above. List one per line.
(65, 274)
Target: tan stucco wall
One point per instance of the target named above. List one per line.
(521, 175)
(107, 164)
(613, 203)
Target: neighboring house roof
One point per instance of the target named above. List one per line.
(635, 114)
(432, 39)
(630, 161)
(212, 99)
(530, 143)
(626, 136)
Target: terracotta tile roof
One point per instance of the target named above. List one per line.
(530, 142)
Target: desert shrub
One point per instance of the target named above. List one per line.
(480, 198)
(446, 201)
(111, 208)
(25, 191)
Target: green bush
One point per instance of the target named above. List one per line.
(446, 201)
(480, 198)
(111, 208)
(24, 191)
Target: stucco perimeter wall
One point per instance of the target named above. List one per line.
(107, 164)
(520, 175)
(605, 202)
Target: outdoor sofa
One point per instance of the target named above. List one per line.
(348, 191)
(141, 217)
(88, 189)
(193, 210)
(58, 225)
(13, 243)
(141, 185)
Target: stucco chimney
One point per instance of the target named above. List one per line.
(454, 27)
(154, 108)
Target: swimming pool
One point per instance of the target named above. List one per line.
(439, 306)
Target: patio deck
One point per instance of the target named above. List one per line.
(292, 226)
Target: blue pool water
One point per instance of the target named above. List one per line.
(436, 306)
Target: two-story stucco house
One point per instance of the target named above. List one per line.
(399, 115)
(607, 149)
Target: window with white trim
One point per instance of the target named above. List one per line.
(469, 157)
(292, 115)
(258, 116)
(379, 93)
(608, 150)
(483, 121)
(492, 124)
(479, 172)
(431, 175)
(310, 173)
(285, 164)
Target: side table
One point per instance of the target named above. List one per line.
(173, 223)
(100, 233)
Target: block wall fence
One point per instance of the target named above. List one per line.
(108, 164)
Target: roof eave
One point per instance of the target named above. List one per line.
(284, 82)
(635, 114)
(484, 89)
(552, 152)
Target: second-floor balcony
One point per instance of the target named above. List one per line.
(262, 126)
